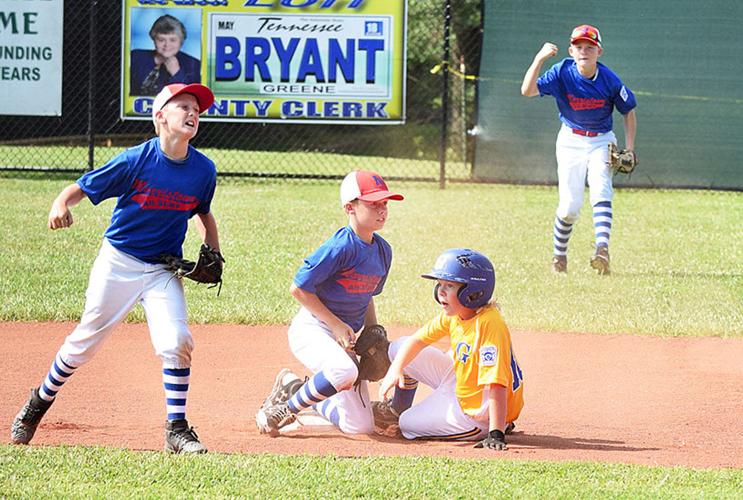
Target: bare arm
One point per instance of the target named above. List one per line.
(497, 405)
(405, 355)
(342, 332)
(630, 129)
(529, 85)
(206, 225)
(60, 215)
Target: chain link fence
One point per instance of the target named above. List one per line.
(443, 50)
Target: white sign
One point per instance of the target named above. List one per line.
(31, 57)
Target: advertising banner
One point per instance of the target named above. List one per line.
(300, 61)
(31, 57)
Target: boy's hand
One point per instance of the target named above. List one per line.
(548, 50)
(392, 379)
(344, 335)
(59, 216)
(496, 440)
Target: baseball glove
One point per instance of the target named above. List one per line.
(623, 161)
(371, 347)
(207, 269)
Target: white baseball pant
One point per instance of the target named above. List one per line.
(313, 344)
(439, 415)
(117, 283)
(581, 159)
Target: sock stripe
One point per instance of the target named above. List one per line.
(561, 232)
(62, 374)
(177, 372)
(55, 378)
(315, 390)
(175, 383)
(176, 387)
(602, 222)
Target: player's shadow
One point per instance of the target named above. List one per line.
(544, 441)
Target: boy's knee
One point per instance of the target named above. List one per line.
(407, 425)
(569, 213)
(395, 347)
(177, 350)
(358, 426)
(342, 376)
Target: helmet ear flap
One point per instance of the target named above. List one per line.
(436, 293)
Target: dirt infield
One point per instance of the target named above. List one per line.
(623, 399)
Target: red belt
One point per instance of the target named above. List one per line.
(586, 133)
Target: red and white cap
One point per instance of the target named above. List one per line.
(586, 32)
(202, 93)
(366, 186)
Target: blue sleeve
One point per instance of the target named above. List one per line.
(386, 250)
(206, 201)
(624, 99)
(206, 204)
(318, 267)
(549, 82)
(109, 181)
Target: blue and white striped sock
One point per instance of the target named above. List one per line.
(313, 391)
(402, 399)
(560, 236)
(55, 379)
(602, 218)
(175, 381)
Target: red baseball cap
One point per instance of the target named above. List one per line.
(202, 93)
(586, 32)
(366, 186)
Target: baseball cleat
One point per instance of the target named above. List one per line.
(386, 419)
(28, 418)
(272, 418)
(180, 438)
(559, 263)
(284, 387)
(600, 260)
(510, 426)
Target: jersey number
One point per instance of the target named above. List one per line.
(518, 377)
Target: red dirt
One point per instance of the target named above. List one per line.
(628, 399)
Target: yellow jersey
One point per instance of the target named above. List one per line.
(482, 355)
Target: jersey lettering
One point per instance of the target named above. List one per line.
(354, 282)
(463, 352)
(581, 104)
(161, 199)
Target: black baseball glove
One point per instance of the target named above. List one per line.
(496, 440)
(371, 347)
(207, 269)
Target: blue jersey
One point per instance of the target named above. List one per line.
(156, 198)
(586, 103)
(345, 272)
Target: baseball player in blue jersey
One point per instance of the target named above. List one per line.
(335, 287)
(160, 185)
(586, 92)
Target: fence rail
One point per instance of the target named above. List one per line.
(433, 144)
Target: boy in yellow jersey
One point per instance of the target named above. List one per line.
(478, 387)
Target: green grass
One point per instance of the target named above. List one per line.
(677, 271)
(677, 256)
(76, 472)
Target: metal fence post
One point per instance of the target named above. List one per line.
(445, 96)
(91, 86)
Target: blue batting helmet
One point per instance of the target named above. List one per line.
(470, 268)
